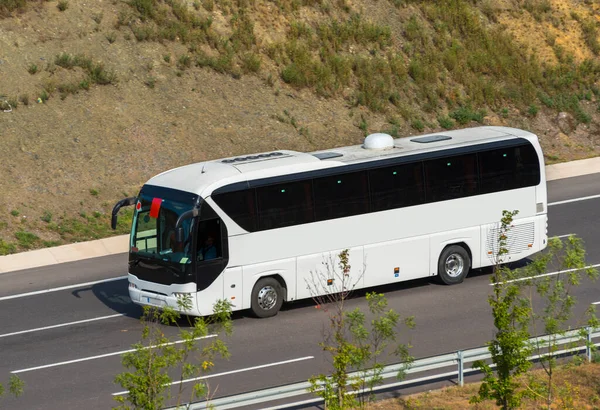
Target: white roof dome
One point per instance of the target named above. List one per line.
(378, 141)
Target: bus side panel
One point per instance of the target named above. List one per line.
(286, 268)
(396, 261)
(233, 287)
(469, 236)
(206, 299)
(315, 270)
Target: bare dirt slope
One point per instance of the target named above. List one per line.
(73, 146)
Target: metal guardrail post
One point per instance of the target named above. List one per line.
(588, 344)
(461, 376)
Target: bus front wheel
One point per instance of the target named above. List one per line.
(453, 265)
(267, 297)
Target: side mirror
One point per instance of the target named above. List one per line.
(192, 213)
(123, 202)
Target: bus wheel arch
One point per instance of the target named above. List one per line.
(454, 263)
(268, 295)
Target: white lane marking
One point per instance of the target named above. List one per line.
(548, 274)
(78, 285)
(99, 356)
(247, 369)
(596, 303)
(563, 236)
(574, 200)
(62, 325)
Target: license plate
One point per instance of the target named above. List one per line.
(155, 302)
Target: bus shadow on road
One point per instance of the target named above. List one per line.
(402, 286)
(489, 270)
(114, 295)
(361, 293)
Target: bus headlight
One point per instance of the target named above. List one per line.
(132, 285)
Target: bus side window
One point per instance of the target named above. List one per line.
(341, 195)
(451, 177)
(239, 206)
(497, 170)
(397, 186)
(508, 168)
(285, 204)
(209, 240)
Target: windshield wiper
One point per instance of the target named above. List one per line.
(174, 270)
(134, 263)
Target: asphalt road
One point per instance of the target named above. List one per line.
(68, 365)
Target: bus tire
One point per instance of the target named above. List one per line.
(453, 265)
(267, 297)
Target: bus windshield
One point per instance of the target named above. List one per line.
(153, 230)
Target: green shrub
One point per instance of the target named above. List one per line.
(251, 62)
(533, 110)
(46, 217)
(8, 6)
(7, 248)
(417, 125)
(26, 239)
(446, 122)
(465, 114)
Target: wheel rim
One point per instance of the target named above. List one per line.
(455, 265)
(267, 297)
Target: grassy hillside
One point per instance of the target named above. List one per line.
(98, 96)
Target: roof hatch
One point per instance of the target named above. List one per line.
(327, 155)
(431, 138)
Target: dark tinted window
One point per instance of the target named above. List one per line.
(341, 195)
(451, 177)
(209, 240)
(509, 168)
(284, 205)
(396, 187)
(239, 206)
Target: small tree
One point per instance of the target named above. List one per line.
(15, 386)
(509, 348)
(350, 343)
(557, 301)
(149, 384)
(374, 344)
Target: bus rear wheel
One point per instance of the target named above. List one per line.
(267, 297)
(453, 265)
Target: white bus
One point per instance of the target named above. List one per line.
(254, 229)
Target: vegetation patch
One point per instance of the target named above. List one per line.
(7, 247)
(577, 388)
(89, 227)
(7, 7)
(26, 239)
(95, 73)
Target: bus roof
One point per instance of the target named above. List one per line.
(203, 177)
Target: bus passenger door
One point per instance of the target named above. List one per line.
(233, 287)
(211, 258)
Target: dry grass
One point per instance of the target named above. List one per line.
(576, 387)
(148, 85)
